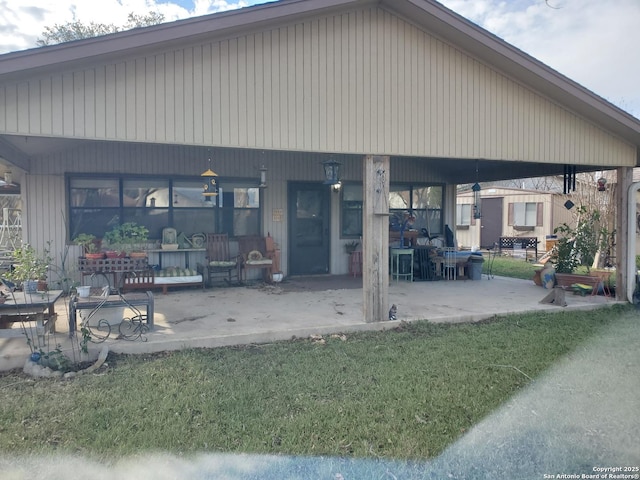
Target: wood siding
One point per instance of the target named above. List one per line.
(359, 82)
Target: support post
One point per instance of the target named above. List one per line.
(623, 272)
(375, 238)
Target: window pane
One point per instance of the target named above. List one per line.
(352, 222)
(86, 192)
(188, 194)
(399, 198)
(427, 197)
(352, 193)
(246, 222)
(246, 197)
(434, 222)
(197, 220)
(530, 214)
(463, 214)
(155, 219)
(92, 221)
(142, 193)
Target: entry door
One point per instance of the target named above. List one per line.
(308, 228)
(491, 229)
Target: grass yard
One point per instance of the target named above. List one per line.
(506, 266)
(401, 394)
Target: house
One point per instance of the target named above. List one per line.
(409, 98)
(510, 212)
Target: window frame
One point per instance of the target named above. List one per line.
(411, 188)
(120, 213)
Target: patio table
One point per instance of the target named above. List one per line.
(39, 306)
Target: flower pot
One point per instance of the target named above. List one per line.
(30, 286)
(84, 291)
(94, 256)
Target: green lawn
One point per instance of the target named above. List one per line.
(505, 266)
(402, 394)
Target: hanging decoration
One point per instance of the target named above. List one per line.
(602, 184)
(569, 177)
(263, 177)
(210, 186)
(476, 201)
(477, 211)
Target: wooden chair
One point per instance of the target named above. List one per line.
(254, 254)
(219, 259)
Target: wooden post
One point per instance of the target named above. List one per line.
(624, 180)
(375, 238)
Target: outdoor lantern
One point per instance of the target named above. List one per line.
(476, 200)
(210, 186)
(263, 177)
(8, 177)
(331, 172)
(602, 184)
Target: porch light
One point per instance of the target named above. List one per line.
(8, 177)
(263, 177)
(210, 185)
(602, 184)
(476, 201)
(331, 172)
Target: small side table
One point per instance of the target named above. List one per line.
(355, 263)
(396, 261)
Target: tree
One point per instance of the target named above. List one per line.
(76, 30)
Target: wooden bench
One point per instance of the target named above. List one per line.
(150, 279)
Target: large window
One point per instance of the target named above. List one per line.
(97, 204)
(424, 201)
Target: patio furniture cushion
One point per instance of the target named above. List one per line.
(262, 261)
(222, 263)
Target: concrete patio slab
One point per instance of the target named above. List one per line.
(299, 307)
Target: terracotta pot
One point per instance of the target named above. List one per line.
(94, 256)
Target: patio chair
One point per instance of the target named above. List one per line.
(253, 250)
(219, 260)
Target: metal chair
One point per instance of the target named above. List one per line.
(450, 264)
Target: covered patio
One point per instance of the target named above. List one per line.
(301, 307)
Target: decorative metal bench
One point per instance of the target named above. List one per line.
(524, 243)
(111, 301)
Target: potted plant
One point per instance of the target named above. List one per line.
(89, 244)
(577, 248)
(350, 247)
(129, 237)
(29, 266)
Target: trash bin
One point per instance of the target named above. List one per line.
(475, 267)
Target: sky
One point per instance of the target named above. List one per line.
(594, 42)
